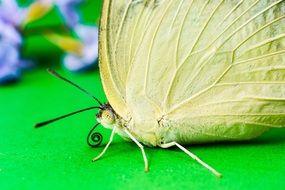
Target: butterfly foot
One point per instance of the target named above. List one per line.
(95, 159)
(146, 169)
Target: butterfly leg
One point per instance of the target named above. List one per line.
(141, 147)
(106, 147)
(168, 145)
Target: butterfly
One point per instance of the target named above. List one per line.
(189, 72)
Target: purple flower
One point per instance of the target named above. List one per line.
(11, 16)
(11, 13)
(9, 63)
(9, 33)
(89, 52)
(67, 8)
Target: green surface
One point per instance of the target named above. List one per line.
(58, 157)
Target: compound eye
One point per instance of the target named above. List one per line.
(108, 117)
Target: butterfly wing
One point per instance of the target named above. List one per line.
(214, 68)
(126, 26)
(109, 63)
(230, 77)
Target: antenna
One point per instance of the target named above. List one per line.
(64, 116)
(52, 72)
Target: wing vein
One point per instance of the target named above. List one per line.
(119, 74)
(245, 114)
(234, 21)
(150, 52)
(176, 14)
(180, 65)
(201, 32)
(258, 30)
(259, 57)
(241, 83)
(180, 32)
(260, 69)
(251, 82)
(121, 24)
(249, 20)
(132, 36)
(268, 40)
(243, 99)
(231, 12)
(176, 56)
(140, 43)
(217, 85)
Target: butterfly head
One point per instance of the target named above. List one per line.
(106, 116)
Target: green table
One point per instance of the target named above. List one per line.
(57, 155)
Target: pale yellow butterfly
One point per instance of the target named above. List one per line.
(179, 72)
(183, 71)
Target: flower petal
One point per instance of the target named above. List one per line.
(89, 54)
(10, 12)
(37, 10)
(9, 60)
(76, 63)
(9, 34)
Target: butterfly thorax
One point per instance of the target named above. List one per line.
(144, 131)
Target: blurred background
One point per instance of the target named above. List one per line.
(34, 36)
(36, 33)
